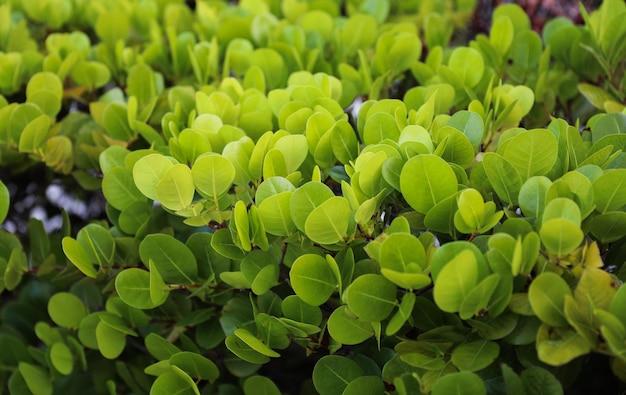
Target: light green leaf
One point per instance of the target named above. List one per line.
(455, 281)
(328, 223)
(503, 177)
(66, 310)
(176, 189)
(532, 153)
(172, 258)
(78, 256)
(312, 279)
(61, 358)
(212, 175)
(427, 180)
(347, 328)
(547, 297)
(176, 382)
(149, 171)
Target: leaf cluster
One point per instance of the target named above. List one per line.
(271, 201)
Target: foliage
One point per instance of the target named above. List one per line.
(273, 203)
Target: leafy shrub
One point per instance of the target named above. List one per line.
(338, 191)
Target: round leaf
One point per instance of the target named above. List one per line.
(464, 383)
(347, 328)
(333, 373)
(427, 180)
(176, 189)
(66, 310)
(305, 199)
(312, 279)
(475, 356)
(532, 153)
(212, 175)
(561, 236)
(148, 171)
(133, 287)
(371, 297)
(328, 223)
(609, 190)
(174, 382)
(173, 259)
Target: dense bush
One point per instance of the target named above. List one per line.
(346, 197)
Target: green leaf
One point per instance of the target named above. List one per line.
(111, 341)
(212, 175)
(371, 297)
(427, 180)
(474, 356)
(328, 223)
(34, 134)
(5, 200)
(115, 121)
(36, 379)
(119, 188)
(176, 189)
(275, 214)
(503, 177)
(255, 343)
(547, 297)
(365, 385)
(176, 382)
(532, 195)
(609, 190)
(312, 279)
(66, 310)
(561, 236)
(78, 256)
(160, 348)
(347, 328)
(402, 315)
(61, 358)
(98, 243)
(195, 365)
(464, 383)
(539, 381)
(333, 373)
(399, 250)
(468, 63)
(305, 199)
(296, 309)
(479, 297)
(532, 153)
(244, 351)
(455, 281)
(558, 347)
(259, 385)
(149, 171)
(158, 289)
(174, 261)
(133, 287)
